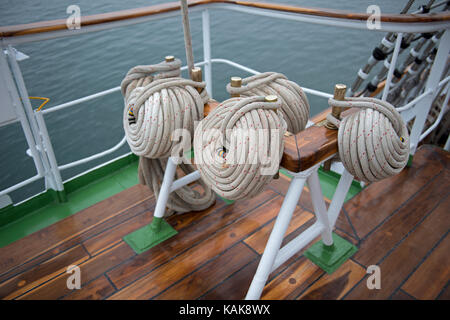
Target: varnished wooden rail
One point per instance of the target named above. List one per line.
(97, 19)
(307, 148)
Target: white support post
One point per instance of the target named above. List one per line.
(274, 255)
(387, 86)
(12, 89)
(423, 106)
(320, 208)
(166, 185)
(207, 51)
(49, 151)
(339, 197)
(49, 176)
(276, 237)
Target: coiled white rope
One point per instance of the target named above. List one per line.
(294, 103)
(373, 143)
(156, 105)
(238, 146)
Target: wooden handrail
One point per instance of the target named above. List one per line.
(97, 19)
(308, 147)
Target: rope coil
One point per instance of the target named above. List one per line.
(373, 143)
(157, 103)
(238, 146)
(294, 103)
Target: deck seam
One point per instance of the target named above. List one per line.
(443, 290)
(358, 239)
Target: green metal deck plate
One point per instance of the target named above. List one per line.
(330, 258)
(150, 235)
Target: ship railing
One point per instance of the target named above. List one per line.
(33, 122)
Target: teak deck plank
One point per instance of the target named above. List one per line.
(336, 285)
(235, 287)
(110, 237)
(379, 200)
(412, 249)
(90, 269)
(292, 281)
(431, 277)
(95, 290)
(400, 295)
(213, 221)
(211, 274)
(69, 229)
(49, 269)
(187, 262)
(385, 237)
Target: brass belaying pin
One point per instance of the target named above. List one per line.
(236, 82)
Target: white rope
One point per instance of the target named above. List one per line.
(373, 143)
(294, 103)
(238, 146)
(156, 105)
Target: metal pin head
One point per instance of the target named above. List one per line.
(197, 74)
(339, 91)
(236, 82)
(169, 58)
(271, 98)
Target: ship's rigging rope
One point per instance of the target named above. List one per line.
(238, 146)
(157, 103)
(294, 103)
(373, 143)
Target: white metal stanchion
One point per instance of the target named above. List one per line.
(274, 255)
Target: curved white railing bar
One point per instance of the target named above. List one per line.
(438, 119)
(412, 103)
(93, 157)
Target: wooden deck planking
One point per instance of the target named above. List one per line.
(211, 274)
(369, 208)
(216, 252)
(431, 277)
(97, 289)
(396, 227)
(334, 286)
(187, 262)
(73, 229)
(413, 249)
(90, 269)
(140, 265)
(296, 278)
(49, 269)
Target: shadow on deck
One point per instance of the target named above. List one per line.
(400, 224)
